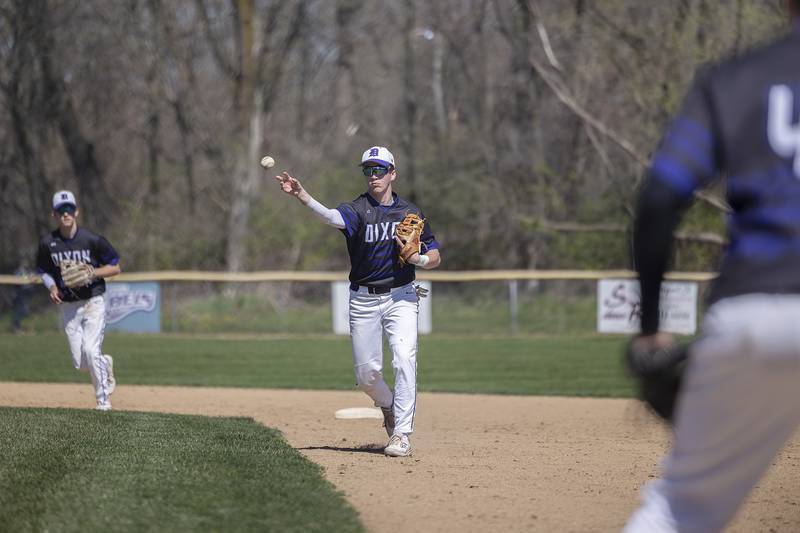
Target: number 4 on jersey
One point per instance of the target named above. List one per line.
(783, 135)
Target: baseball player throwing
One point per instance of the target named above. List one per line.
(383, 298)
(73, 262)
(739, 399)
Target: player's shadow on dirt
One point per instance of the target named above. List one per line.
(366, 448)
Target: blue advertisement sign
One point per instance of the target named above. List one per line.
(133, 307)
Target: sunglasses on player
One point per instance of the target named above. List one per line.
(375, 171)
(68, 209)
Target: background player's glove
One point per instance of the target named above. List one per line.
(421, 291)
(659, 373)
(409, 232)
(76, 274)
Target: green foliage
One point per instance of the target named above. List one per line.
(285, 234)
(488, 312)
(247, 312)
(593, 250)
(473, 309)
(73, 470)
(694, 256)
(590, 250)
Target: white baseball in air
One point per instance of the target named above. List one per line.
(267, 162)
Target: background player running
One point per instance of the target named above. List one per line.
(740, 397)
(383, 298)
(83, 309)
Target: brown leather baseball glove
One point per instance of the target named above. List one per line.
(409, 232)
(76, 274)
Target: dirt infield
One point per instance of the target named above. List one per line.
(481, 463)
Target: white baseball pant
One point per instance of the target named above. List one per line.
(85, 324)
(739, 404)
(396, 314)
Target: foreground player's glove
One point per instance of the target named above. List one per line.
(76, 274)
(659, 373)
(409, 232)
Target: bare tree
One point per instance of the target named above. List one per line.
(254, 71)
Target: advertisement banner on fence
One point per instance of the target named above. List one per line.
(340, 300)
(618, 306)
(133, 307)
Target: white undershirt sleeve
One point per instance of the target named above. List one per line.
(48, 281)
(330, 216)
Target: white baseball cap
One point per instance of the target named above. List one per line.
(378, 154)
(63, 198)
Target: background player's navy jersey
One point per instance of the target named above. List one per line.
(85, 247)
(742, 117)
(369, 230)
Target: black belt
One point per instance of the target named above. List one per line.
(372, 290)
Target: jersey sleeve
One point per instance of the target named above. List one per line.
(687, 158)
(44, 265)
(427, 240)
(351, 218)
(106, 254)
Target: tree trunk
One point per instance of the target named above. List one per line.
(247, 104)
(408, 139)
(247, 174)
(80, 150)
(261, 67)
(348, 113)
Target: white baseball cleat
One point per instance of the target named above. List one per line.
(388, 419)
(398, 446)
(103, 406)
(112, 381)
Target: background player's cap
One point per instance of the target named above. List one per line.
(378, 154)
(63, 198)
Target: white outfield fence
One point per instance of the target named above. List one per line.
(477, 302)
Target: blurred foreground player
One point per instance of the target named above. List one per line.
(739, 399)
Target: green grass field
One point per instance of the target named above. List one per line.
(79, 470)
(574, 366)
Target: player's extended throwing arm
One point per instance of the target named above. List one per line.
(292, 186)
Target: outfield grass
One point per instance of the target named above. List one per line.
(77, 470)
(574, 366)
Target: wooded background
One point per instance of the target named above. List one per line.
(521, 127)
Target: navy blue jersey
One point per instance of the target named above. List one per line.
(741, 117)
(369, 230)
(85, 247)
